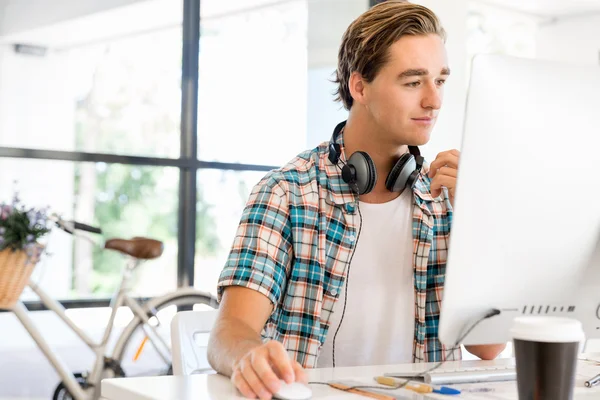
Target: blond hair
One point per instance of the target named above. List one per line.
(366, 42)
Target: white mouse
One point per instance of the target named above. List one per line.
(293, 391)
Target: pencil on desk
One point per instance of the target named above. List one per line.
(415, 386)
(362, 392)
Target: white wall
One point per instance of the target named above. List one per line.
(327, 22)
(572, 40)
(80, 23)
(22, 15)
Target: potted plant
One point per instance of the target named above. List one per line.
(21, 229)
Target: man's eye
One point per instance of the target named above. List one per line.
(413, 84)
(441, 82)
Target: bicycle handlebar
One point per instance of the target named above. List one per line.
(87, 228)
(72, 226)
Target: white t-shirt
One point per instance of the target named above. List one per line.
(379, 322)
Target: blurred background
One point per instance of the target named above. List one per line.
(91, 113)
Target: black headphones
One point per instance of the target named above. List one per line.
(359, 170)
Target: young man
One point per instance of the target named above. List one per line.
(330, 266)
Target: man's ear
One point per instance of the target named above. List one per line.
(357, 86)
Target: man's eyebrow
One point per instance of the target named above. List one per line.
(413, 72)
(421, 72)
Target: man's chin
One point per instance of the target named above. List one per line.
(420, 139)
(414, 137)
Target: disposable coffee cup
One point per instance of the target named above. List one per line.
(546, 356)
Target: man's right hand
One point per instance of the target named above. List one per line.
(258, 372)
(236, 348)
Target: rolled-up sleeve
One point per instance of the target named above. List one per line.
(262, 248)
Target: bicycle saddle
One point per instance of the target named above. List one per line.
(138, 247)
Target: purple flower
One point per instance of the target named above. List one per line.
(31, 221)
(5, 211)
(32, 218)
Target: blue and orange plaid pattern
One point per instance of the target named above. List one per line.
(294, 242)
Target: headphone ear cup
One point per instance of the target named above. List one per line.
(399, 176)
(364, 171)
(349, 174)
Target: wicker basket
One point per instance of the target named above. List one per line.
(15, 269)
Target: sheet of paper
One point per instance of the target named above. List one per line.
(399, 394)
(587, 368)
(487, 390)
(472, 391)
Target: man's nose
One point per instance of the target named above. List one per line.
(432, 97)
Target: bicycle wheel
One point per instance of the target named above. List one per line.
(136, 355)
(62, 393)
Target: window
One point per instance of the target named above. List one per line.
(222, 196)
(115, 90)
(99, 115)
(124, 200)
(253, 85)
(122, 97)
(127, 95)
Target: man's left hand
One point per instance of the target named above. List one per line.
(443, 171)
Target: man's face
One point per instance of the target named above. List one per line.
(406, 95)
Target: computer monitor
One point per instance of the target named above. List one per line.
(527, 207)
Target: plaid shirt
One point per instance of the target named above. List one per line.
(294, 242)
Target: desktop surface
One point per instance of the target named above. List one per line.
(219, 387)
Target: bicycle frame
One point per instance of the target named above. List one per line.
(119, 299)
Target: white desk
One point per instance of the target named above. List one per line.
(215, 387)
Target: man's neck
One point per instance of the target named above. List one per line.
(361, 134)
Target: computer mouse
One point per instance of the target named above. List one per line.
(293, 391)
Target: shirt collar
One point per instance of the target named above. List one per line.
(422, 186)
(340, 192)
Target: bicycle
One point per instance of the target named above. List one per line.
(150, 323)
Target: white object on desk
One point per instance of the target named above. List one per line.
(531, 258)
(189, 339)
(450, 376)
(293, 391)
(213, 387)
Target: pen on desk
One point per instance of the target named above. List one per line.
(416, 387)
(593, 381)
